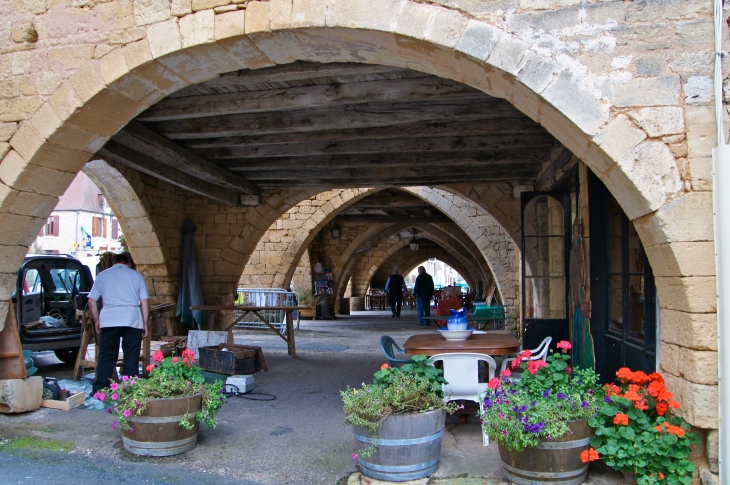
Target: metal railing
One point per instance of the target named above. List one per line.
(265, 297)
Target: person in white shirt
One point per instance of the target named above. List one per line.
(124, 315)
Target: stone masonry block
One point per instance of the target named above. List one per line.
(696, 366)
(365, 14)
(507, 53)
(18, 109)
(701, 131)
(478, 40)
(26, 140)
(577, 103)
(164, 38)
(414, 19)
(257, 17)
(151, 11)
(34, 205)
(113, 66)
(537, 72)
(16, 173)
(695, 294)
(619, 137)
(652, 169)
(216, 59)
(208, 4)
(657, 91)
(187, 67)
(21, 395)
(19, 230)
(230, 24)
(179, 8)
(698, 401)
(137, 53)
(280, 14)
(691, 330)
(198, 28)
(659, 121)
(686, 219)
(683, 259)
(712, 449)
(308, 13)
(7, 130)
(699, 90)
(10, 259)
(87, 82)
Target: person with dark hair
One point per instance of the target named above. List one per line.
(125, 316)
(395, 287)
(423, 290)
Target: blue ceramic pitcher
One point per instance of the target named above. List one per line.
(457, 320)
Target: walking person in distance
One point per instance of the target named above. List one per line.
(423, 290)
(395, 287)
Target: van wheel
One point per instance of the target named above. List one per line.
(67, 356)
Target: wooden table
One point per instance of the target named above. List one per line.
(379, 302)
(490, 343)
(288, 310)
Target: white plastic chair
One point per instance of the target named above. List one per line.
(540, 353)
(461, 371)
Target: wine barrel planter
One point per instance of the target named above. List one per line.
(552, 462)
(408, 447)
(157, 431)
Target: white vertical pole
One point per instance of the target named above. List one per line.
(721, 213)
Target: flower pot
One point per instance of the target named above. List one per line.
(157, 430)
(408, 447)
(630, 477)
(311, 312)
(555, 462)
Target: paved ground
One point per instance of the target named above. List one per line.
(299, 438)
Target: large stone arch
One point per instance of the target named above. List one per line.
(406, 261)
(462, 249)
(590, 112)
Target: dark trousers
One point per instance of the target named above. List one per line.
(423, 308)
(109, 352)
(396, 301)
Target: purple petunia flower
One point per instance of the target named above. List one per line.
(606, 399)
(561, 395)
(546, 394)
(504, 432)
(584, 404)
(533, 403)
(487, 403)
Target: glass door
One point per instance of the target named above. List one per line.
(545, 255)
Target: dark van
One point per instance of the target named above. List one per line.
(48, 290)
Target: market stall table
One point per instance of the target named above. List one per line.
(490, 343)
(376, 301)
(245, 310)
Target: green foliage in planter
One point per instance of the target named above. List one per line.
(519, 413)
(414, 388)
(308, 298)
(635, 431)
(172, 377)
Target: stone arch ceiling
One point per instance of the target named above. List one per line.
(452, 241)
(600, 110)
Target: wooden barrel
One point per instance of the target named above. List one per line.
(408, 447)
(554, 462)
(157, 431)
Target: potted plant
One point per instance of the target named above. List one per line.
(637, 434)
(160, 415)
(398, 421)
(541, 421)
(308, 298)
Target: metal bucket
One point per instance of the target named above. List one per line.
(157, 431)
(408, 447)
(553, 462)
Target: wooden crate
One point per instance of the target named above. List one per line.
(76, 399)
(236, 359)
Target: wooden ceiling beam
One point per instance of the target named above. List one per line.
(348, 183)
(310, 97)
(453, 144)
(342, 117)
(119, 153)
(143, 140)
(291, 72)
(393, 219)
(481, 160)
(431, 129)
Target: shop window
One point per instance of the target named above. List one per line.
(51, 228)
(115, 229)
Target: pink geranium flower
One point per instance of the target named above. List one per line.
(564, 345)
(506, 373)
(494, 383)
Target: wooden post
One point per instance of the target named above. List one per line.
(12, 364)
(290, 334)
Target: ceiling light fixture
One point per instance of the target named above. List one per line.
(414, 243)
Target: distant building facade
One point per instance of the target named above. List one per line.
(82, 224)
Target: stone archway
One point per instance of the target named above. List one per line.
(62, 128)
